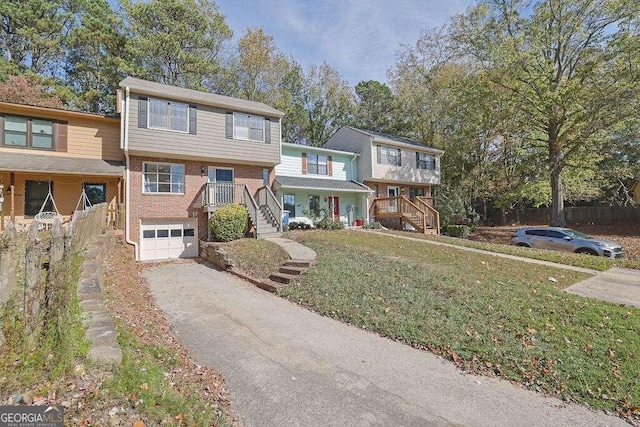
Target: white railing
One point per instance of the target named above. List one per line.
(268, 199)
(220, 194)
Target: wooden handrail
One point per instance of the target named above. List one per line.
(432, 211)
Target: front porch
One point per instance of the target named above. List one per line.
(398, 212)
(265, 211)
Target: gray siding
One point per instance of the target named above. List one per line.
(347, 139)
(208, 144)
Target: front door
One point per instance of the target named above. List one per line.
(334, 206)
(393, 203)
(222, 193)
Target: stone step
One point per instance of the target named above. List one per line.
(264, 235)
(298, 263)
(269, 285)
(294, 271)
(282, 278)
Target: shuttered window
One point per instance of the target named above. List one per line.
(425, 161)
(247, 127)
(168, 115)
(389, 156)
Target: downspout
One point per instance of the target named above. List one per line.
(124, 126)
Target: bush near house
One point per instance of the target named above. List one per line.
(327, 223)
(229, 223)
(455, 230)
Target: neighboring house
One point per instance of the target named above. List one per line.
(187, 154)
(62, 152)
(401, 173)
(312, 181)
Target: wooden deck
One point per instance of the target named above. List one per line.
(417, 212)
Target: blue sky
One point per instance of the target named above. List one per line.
(358, 38)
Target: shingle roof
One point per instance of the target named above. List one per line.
(204, 98)
(28, 162)
(400, 139)
(320, 184)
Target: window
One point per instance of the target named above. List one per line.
(534, 232)
(248, 127)
(168, 115)
(416, 192)
(27, 132)
(375, 191)
(163, 178)
(314, 204)
(96, 193)
(317, 164)
(289, 204)
(425, 161)
(388, 156)
(35, 193)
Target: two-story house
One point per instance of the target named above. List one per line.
(401, 173)
(50, 159)
(187, 153)
(312, 180)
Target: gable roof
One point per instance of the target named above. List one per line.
(385, 137)
(318, 149)
(146, 87)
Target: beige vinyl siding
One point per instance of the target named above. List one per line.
(209, 143)
(347, 139)
(91, 138)
(407, 172)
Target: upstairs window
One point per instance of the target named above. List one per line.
(163, 178)
(248, 127)
(389, 156)
(28, 133)
(168, 115)
(425, 161)
(317, 164)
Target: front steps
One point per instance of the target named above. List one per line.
(288, 272)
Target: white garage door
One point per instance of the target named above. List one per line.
(166, 239)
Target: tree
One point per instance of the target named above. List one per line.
(328, 102)
(176, 42)
(375, 108)
(561, 63)
(27, 90)
(94, 61)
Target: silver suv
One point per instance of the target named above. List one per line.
(565, 239)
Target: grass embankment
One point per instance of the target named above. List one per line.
(258, 258)
(487, 314)
(567, 258)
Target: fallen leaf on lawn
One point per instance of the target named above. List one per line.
(144, 386)
(138, 424)
(553, 279)
(531, 330)
(468, 332)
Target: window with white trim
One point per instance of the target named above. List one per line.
(425, 161)
(317, 164)
(248, 127)
(388, 155)
(168, 115)
(163, 178)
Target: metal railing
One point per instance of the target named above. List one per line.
(220, 194)
(268, 199)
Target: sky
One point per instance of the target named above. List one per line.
(358, 38)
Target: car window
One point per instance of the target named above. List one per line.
(534, 232)
(577, 234)
(555, 234)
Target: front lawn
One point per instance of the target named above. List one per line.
(489, 315)
(258, 258)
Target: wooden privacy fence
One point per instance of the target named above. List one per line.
(33, 265)
(575, 215)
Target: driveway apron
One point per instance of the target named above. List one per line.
(287, 366)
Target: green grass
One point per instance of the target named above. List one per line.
(141, 382)
(488, 314)
(567, 258)
(258, 258)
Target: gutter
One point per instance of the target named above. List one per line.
(124, 129)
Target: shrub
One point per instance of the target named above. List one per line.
(327, 223)
(229, 222)
(374, 225)
(293, 225)
(455, 230)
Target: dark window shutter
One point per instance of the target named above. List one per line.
(304, 163)
(142, 112)
(417, 160)
(193, 119)
(330, 165)
(379, 154)
(1, 130)
(399, 157)
(61, 137)
(228, 126)
(267, 131)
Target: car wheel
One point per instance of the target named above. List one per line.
(523, 245)
(586, 251)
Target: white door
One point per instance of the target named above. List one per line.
(168, 239)
(393, 204)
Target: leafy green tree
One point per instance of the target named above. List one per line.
(561, 62)
(176, 42)
(375, 108)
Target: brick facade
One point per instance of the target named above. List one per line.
(187, 205)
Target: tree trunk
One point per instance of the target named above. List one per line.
(557, 189)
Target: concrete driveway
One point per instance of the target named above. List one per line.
(617, 285)
(287, 366)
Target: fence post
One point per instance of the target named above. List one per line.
(8, 262)
(32, 272)
(56, 266)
